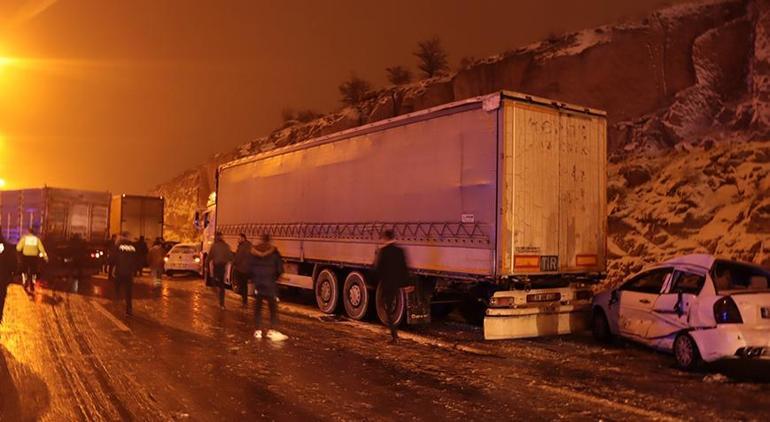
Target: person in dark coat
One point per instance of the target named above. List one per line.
(111, 253)
(392, 273)
(141, 252)
(242, 267)
(267, 267)
(126, 263)
(220, 256)
(7, 268)
(77, 251)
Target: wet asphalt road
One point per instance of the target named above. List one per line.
(180, 357)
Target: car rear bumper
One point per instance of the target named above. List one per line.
(512, 323)
(182, 266)
(733, 342)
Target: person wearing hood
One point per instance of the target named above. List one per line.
(7, 268)
(219, 257)
(267, 267)
(242, 267)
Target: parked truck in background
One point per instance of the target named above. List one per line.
(499, 201)
(57, 215)
(137, 215)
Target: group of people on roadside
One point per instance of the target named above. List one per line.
(262, 264)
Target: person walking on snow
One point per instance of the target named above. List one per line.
(155, 260)
(126, 263)
(267, 267)
(219, 256)
(242, 267)
(32, 251)
(392, 273)
(7, 267)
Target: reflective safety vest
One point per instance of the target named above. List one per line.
(31, 245)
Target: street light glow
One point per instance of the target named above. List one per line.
(2, 183)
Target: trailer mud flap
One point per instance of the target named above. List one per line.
(418, 304)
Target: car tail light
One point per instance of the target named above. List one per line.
(501, 302)
(726, 311)
(544, 297)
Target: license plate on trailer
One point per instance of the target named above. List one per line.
(766, 313)
(549, 263)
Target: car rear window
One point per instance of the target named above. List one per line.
(737, 277)
(184, 249)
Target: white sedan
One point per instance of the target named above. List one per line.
(184, 257)
(697, 306)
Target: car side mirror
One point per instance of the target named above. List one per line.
(614, 297)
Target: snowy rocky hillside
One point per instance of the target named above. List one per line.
(687, 91)
(700, 199)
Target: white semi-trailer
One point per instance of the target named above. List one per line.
(499, 201)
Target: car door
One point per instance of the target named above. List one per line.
(636, 299)
(672, 308)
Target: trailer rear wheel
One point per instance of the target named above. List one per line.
(399, 311)
(327, 291)
(355, 296)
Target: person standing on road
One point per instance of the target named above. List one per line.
(7, 268)
(155, 261)
(242, 267)
(141, 253)
(76, 249)
(392, 273)
(32, 251)
(267, 267)
(219, 256)
(126, 262)
(111, 253)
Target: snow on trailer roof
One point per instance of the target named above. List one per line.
(489, 102)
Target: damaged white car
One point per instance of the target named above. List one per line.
(698, 307)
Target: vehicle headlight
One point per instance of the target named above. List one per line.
(197, 259)
(165, 259)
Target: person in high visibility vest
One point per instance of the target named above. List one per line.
(32, 251)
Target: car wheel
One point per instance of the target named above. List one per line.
(327, 291)
(600, 327)
(686, 352)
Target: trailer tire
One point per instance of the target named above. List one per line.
(355, 296)
(327, 291)
(400, 311)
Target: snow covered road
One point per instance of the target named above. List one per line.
(77, 357)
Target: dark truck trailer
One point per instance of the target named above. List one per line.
(57, 215)
(137, 215)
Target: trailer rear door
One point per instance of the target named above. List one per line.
(554, 190)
